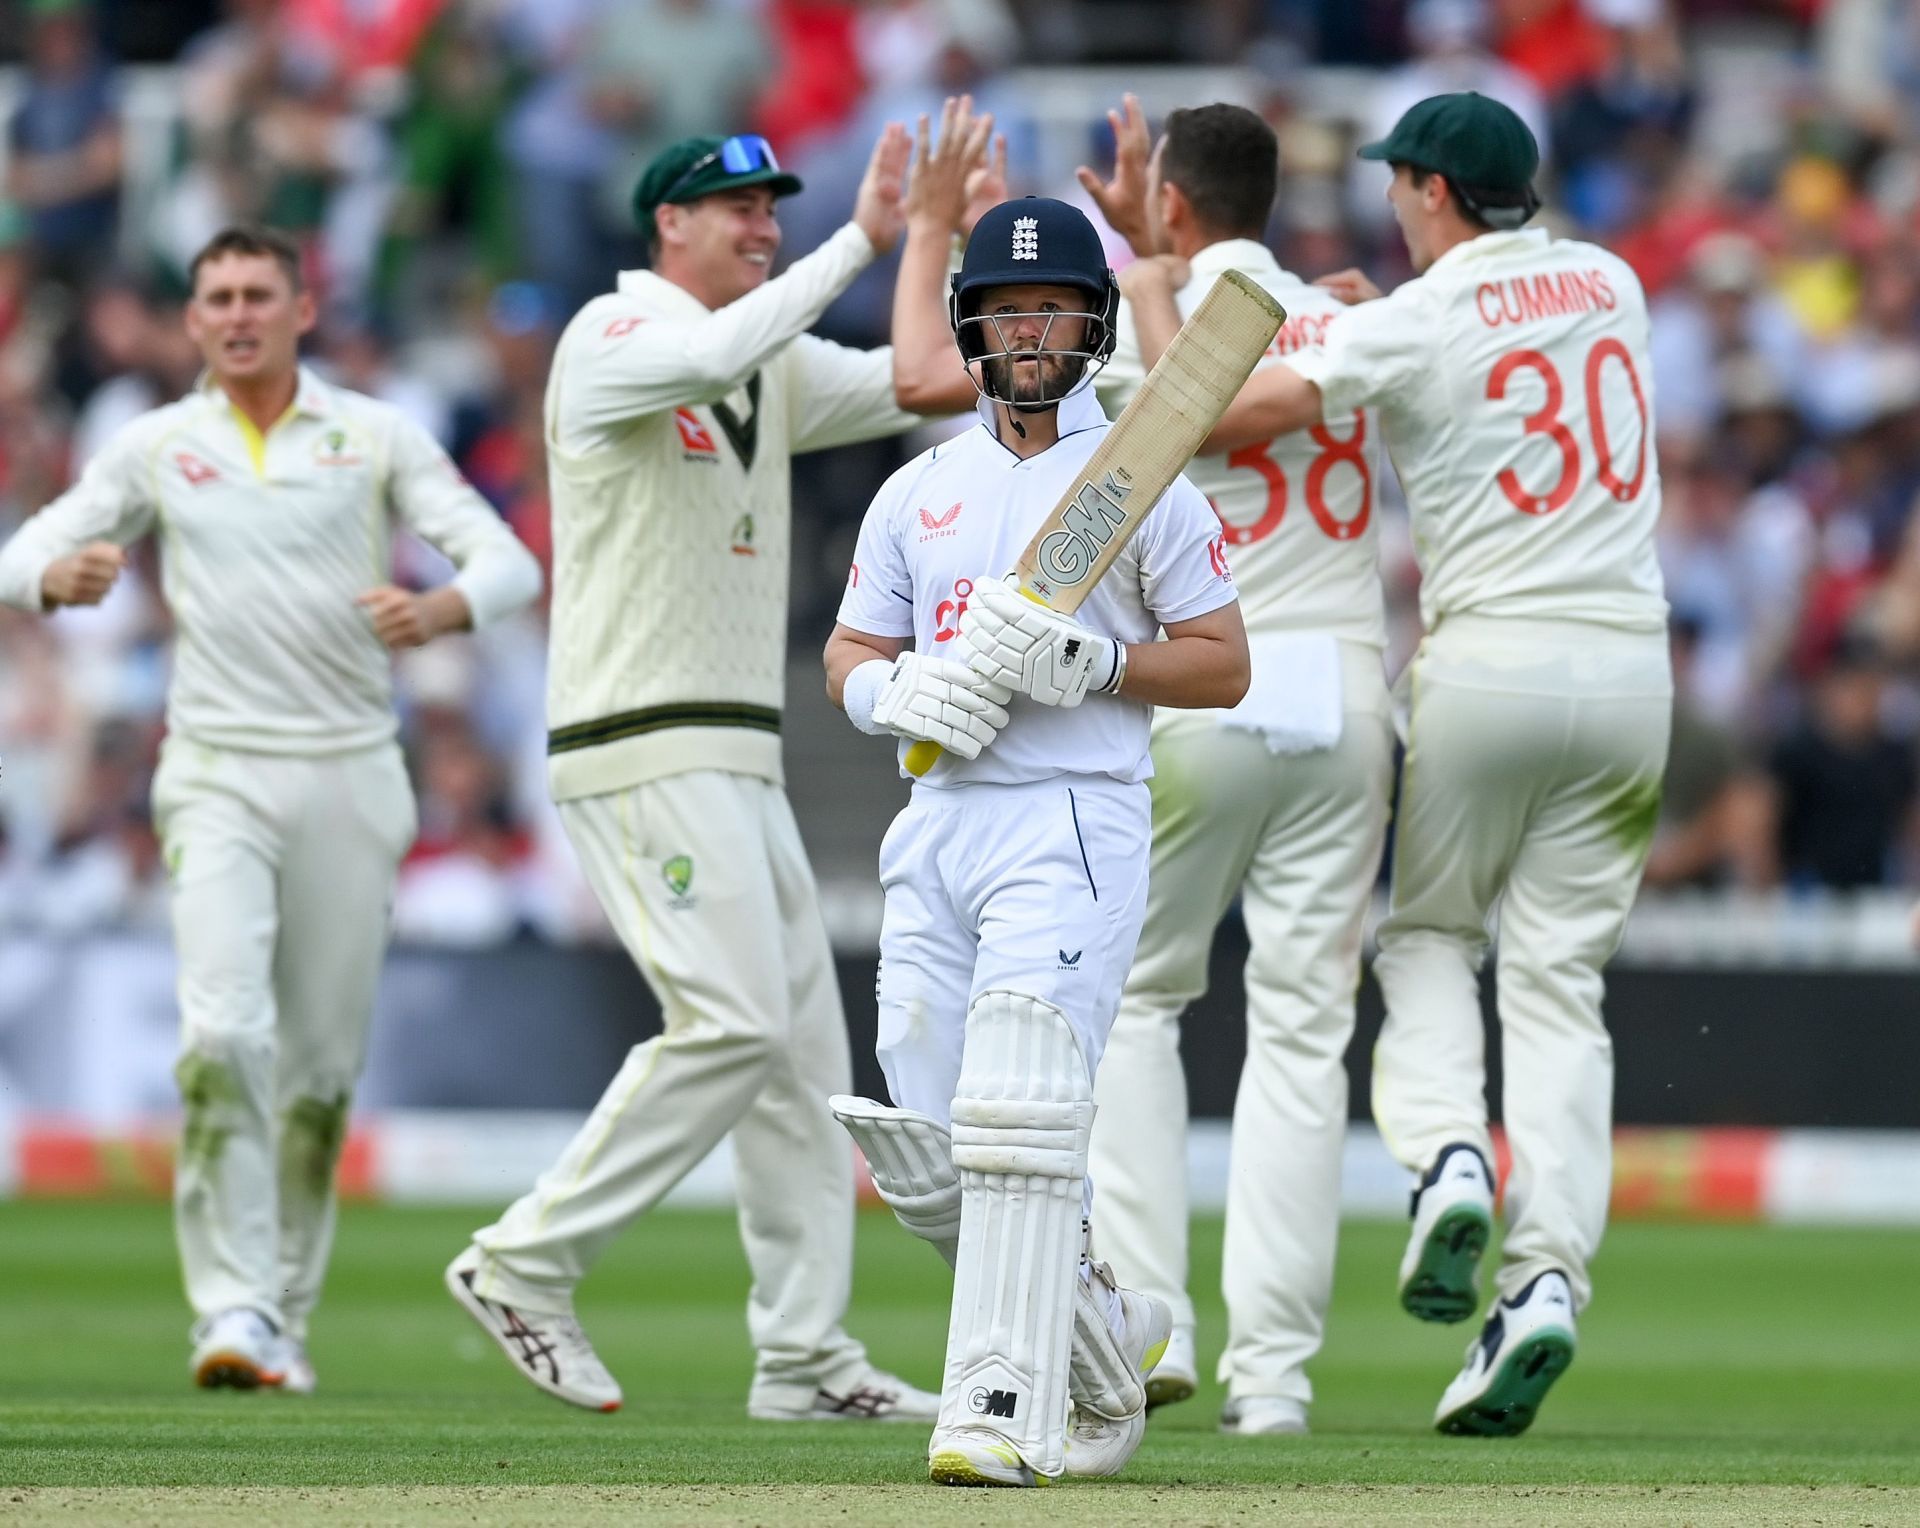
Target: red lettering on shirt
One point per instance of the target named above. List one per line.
(1528, 299)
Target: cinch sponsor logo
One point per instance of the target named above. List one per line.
(620, 328)
(694, 437)
(1523, 299)
(947, 614)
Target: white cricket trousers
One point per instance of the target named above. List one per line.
(1036, 888)
(705, 879)
(1535, 754)
(1298, 838)
(282, 869)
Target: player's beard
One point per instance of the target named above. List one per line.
(1030, 386)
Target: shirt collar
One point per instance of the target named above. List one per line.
(659, 292)
(311, 396)
(1079, 410)
(1248, 255)
(1488, 245)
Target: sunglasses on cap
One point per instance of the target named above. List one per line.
(741, 154)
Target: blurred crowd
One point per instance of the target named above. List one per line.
(458, 172)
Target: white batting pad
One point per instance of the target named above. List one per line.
(910, 1158)
(1021, 1123)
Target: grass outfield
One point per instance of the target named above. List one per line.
(1726, 1375)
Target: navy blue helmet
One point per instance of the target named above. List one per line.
(1033, 241)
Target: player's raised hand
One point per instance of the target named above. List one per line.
(1350, 286)
(1123, 199)
(879, 207)
(938, 191)
(82, 577)
(986, 186)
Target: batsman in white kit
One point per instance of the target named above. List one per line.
(281, 799)
(1281, 802)
(1015, 879)
(1512, 382)
(675, 406)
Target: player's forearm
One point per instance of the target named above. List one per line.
(928, 376)
(496, 579)
(1190, 672)
(1274, 402)
(846, 650)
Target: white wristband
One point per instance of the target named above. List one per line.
(861, 692)
(1118, 677)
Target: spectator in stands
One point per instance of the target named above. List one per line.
(1844, 781)
(1715, 824)
(64, 141)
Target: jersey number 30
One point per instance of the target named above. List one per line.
(1546, 421)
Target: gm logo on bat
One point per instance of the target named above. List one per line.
(1068, 554)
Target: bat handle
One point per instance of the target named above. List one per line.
(921, 757)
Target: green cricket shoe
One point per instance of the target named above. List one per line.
(1525, 1346)
(1452, 1224)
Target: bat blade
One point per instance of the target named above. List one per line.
(1154, 438)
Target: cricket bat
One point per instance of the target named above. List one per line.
(1155, 437)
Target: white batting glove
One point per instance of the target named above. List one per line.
(934, 700)
(1033, 650)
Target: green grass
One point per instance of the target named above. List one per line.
(1726, 1374)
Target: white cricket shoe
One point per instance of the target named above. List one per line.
(1452, 1222)
(235, 1349)
(1097, 1445)
(1263, 1416)
(978, 1456)
(1177, 1375)
(296, 1369)
(549, 1349)
(879, 1397)
(1525, 1346)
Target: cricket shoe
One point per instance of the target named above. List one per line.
(977, 1456)
(1263, 1416)
(296, 1369)
(1099, 1445)
(1452, 1221)
(879, 1397)
(1177, 1375)
(547, 1348)
(1525, 1346)
(236, 1349)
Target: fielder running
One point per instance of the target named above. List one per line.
(281, 799)
(1015, 878)
(1281, 802)
(1511, 378)
(673, 409)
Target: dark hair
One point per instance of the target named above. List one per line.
(1226, 162)
(1466, 201)
(249, 239)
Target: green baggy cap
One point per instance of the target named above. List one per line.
(1483, 148)
(697, 167)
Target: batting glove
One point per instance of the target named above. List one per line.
(932, 700)
(1036, 651)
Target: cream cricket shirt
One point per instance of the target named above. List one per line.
(670, 432)
(265, 543)
(1297, 511)
(1516, 398)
